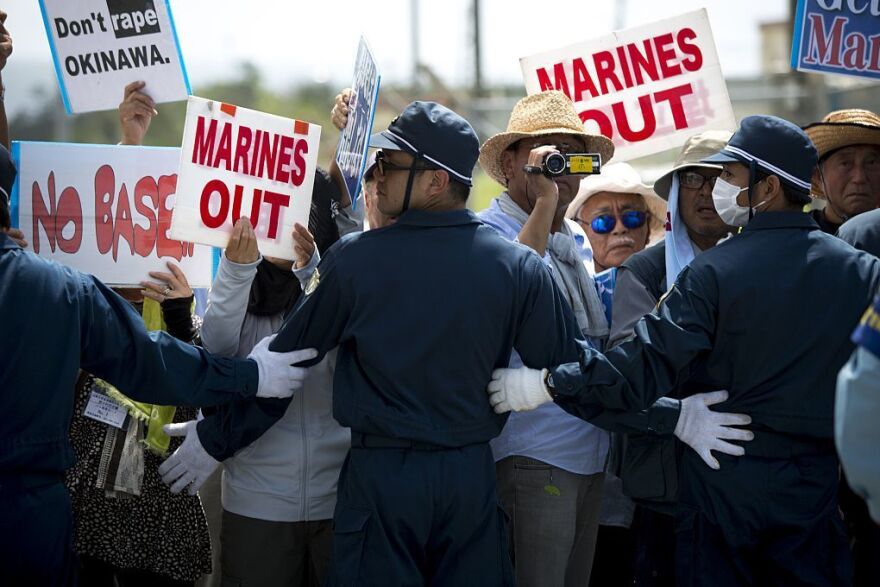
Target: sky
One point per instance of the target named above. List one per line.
(316, 41)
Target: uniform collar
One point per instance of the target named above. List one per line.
(451, 218)
(7, 243)
(769, 220)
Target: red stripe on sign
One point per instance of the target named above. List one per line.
(227, 108)
(300, 127)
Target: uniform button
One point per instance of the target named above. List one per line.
(569, 386)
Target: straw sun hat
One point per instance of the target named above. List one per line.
(621, 178)
(546, 113)
(842, 128)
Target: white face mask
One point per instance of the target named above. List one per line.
(724, 197)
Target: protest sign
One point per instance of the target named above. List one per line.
(104, 210)
(647, 88)
(351, 155)
(837, 36)
(235, 162)
(100, 46)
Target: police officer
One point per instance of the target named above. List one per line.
(54, 321)
(422, 311)
(743, 317)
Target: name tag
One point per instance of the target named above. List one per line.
(103, 409)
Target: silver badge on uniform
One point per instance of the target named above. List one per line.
(313, 282)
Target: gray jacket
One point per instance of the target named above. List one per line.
(290, 473)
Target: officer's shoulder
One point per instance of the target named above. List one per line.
(36, 274)
(509, 251)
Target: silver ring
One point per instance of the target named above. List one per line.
(166, 291)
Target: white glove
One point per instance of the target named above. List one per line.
(278, 376)
(190, 464)
(517, 389)
(703, 430)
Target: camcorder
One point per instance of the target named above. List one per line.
(556, 164)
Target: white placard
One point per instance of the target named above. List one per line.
(101, 46)
(239, 162)
(647, 88)
(104, 210)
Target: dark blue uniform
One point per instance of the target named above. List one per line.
(54, 321)
(422, 312)
(766, 315)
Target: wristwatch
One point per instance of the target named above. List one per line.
(548, 383)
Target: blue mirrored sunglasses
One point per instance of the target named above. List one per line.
(606, 222)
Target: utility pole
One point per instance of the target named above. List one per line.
(414, 42)
(478, 52)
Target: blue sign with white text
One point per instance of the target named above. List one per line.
(351, 155)
(837, 36)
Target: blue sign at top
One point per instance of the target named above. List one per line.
(837, 36)
(351, 155)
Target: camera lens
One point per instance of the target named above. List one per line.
(554, 164)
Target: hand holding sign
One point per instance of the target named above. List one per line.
(136, 111)
(242, 247)
(303, 245)
(5, 41)
(339, 114)
(173, 285)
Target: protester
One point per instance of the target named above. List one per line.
(553, 532)
(646, 461)
(279, 494)
(848, 174)
(165, 535)
(770, 515)
(619, 214)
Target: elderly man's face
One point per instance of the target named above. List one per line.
(695, 203)
(612, 248)
(518, 156)
(852, 179)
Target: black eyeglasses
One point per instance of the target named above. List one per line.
(605, 223)
(385, 166)
(694, 180)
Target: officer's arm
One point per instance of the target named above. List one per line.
(153, 367)
(316, 321)
(631, 376)
(547, 332)
(633, 301)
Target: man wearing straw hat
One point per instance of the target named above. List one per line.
(742, 317)
(848, 174)
(549, 463)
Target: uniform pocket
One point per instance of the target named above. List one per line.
(349, 534)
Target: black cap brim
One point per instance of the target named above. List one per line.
(722, 156)
(382, 141)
